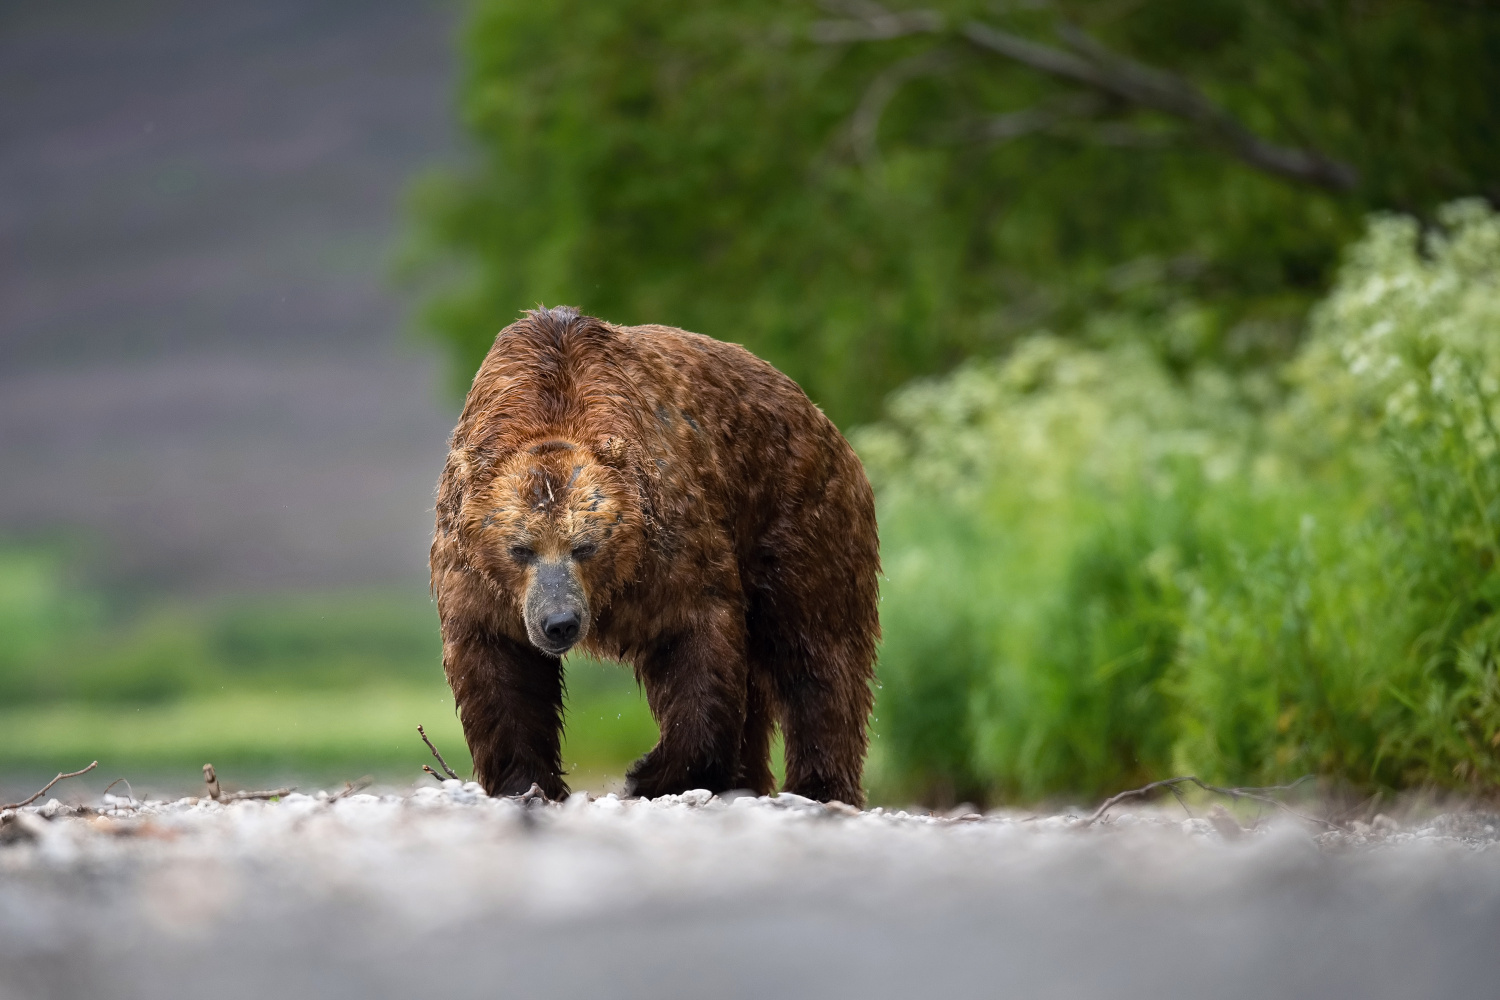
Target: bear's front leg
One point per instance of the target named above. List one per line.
(510, 701)
(695, 685)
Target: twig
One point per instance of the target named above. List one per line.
(350, 787)
(48, 785)
(1254, 794)
(270, 793)
(116, 782)
(433, 771)
(446, 769)
(870, 22)
(218, 794)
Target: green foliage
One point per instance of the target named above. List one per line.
(695, 164)
(291, 641)
(297, 684)
(1381, 668)
(37, 611)
(1054, 498)
(1156, 573)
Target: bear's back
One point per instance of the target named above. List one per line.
(558, 370)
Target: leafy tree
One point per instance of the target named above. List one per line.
(862, 195)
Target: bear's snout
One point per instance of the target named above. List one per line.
(557, 611)
(561, 628)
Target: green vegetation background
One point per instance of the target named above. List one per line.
(1182, 465)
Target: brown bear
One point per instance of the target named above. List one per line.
(663, 499)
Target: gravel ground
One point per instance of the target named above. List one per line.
(445, 892)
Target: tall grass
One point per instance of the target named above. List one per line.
(1099, 571)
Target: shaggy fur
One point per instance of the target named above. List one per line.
(689, 511)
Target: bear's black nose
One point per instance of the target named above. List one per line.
(561, 628)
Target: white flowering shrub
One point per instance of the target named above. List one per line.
(1038, 515)
(1363, 645)
(1098, 573)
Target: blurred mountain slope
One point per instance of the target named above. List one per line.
(202, 367)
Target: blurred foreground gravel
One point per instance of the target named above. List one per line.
(447, 893)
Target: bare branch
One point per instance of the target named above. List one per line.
(273, 793)
(350, 787)
(1015, 124)
(1076, 118)
(1253, 794)
(1090, 64)
(446, 769)
(1093, 65)
(432, 771)
(870, 22)
(1053, 62)
(45, 788)
(217, 793)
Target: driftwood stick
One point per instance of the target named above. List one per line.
(446, 769)
(48, 786)
(217, 793)
(270, 793)
(350, 787)
(1253, 794)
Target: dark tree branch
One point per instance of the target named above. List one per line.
(1175, 96)
(1089, 64)
(1015, 124)
(1068, 120)
(870, 22)
(47, 786)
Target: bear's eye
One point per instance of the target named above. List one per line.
(584, 549)
(522, 553)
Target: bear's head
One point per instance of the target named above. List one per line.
(556, 526)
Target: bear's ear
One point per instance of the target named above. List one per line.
(611, 450)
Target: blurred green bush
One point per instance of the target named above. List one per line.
(312, 684)
(1100, 572)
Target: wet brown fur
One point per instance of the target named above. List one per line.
(735, 563)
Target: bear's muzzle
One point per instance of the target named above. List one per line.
(557, 611)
